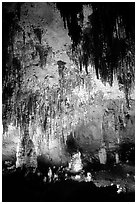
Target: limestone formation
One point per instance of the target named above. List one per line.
(75, 164)
(46, 88)
(26, 154)
(102, 155)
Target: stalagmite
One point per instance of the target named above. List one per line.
(76, 163)
(117, 158)
(26, 154)
(49, 175)
(31, 157)
(55, 177)
(20, 154)
(45, 179)
(102, 155)
(88, 178)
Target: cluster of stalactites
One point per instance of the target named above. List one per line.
(107, 39)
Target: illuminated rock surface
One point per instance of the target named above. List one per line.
(52, 110)
(76, 163)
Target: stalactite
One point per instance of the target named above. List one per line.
(43, 112)
(106, 38)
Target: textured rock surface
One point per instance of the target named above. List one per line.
(75, 164)
(55, 99)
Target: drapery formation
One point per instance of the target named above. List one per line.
(106, 42)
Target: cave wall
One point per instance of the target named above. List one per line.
(54, 99)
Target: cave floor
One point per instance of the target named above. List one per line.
(123, 174)
(15, 187)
